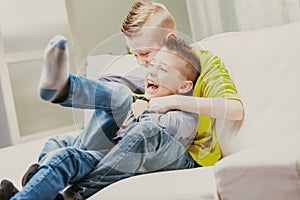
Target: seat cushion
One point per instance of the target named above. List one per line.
(191, 184)
(15, 160)
(269, 171)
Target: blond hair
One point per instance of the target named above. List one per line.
(180, 47)
(147, 13)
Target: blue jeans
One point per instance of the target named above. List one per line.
(93, 160)
(58, 169)
(145, 145)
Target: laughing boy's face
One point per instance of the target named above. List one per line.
(164, 74)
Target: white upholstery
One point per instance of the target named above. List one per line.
(109, 64)
(15, 160)
(261, 153)
(265, 67)
(117, 65)
(270, 171)
(173, 185)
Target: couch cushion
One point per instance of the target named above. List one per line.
(265, 66)
(191, 184)
(15, 160)
(267, 172)
(100, 65)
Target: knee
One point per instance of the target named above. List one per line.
(56, 156)
(145, 129)
(52, 140)
(146, 137)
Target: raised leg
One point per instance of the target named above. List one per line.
(55, 72)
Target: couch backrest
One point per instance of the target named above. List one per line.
(265, 66)
(120, 65)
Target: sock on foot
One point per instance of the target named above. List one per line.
(7, 190)
(55, 72)
(29, 173)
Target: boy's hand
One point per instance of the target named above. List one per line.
(164, 104)
(138, 107)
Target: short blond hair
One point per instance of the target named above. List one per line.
(192, 69)
(141, 13)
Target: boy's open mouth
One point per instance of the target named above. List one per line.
(150, 85)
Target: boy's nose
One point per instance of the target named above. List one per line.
(144, 62)
(152, 70)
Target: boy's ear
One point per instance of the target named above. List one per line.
(185, 87)
(171, 35)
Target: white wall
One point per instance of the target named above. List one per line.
(26, 28)
(4, 131)
(96, 21)
(209, 17)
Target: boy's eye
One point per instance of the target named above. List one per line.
(151, 65)
(164, 69)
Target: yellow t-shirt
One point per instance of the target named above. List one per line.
(214, 81)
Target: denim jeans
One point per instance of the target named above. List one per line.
(145, 145)
(93, 160)
(57, 169)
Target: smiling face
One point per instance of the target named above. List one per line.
(146, 45)
(145, 27)
(164, 75)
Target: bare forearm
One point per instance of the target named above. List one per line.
(218, 108)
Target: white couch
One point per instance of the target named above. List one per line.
(261, 153)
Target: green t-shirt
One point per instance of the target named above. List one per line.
(214, 81)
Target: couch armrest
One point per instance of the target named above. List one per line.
(266, 172)
(189, 184)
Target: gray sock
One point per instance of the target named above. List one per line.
(55, 72)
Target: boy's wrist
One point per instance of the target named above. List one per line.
(175, 102)
(166, 103)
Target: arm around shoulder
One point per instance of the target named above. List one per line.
(218, 107)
